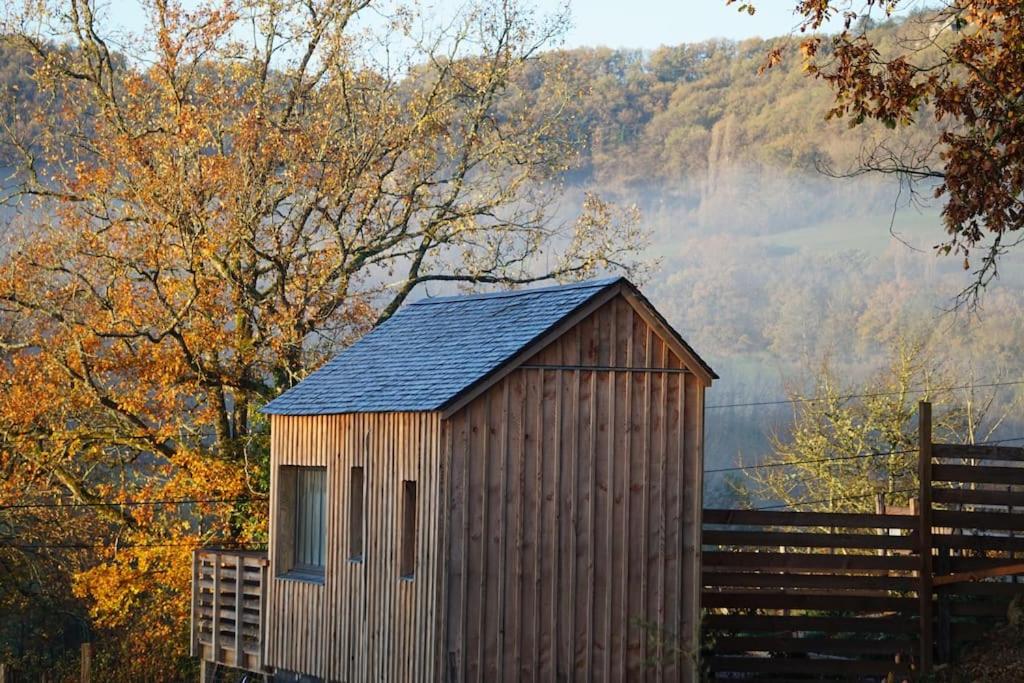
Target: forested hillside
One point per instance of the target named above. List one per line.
(765, 263)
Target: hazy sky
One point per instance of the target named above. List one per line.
(614, 23)
(650, 23)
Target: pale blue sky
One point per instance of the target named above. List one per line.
(650, 23)
(615, 23)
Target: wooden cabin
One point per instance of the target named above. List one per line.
(491, 487)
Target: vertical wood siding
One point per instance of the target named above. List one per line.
(363, 622)
(574, 508)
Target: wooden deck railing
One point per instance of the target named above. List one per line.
(229, 597)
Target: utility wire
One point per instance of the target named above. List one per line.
(129, 503)
(230, 545)
(741, 468)
(875, 394)
(810, 460)
(829, 500)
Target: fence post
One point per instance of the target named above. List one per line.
(85, 674)
(924, 533)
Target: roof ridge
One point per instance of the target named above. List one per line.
(584, 284)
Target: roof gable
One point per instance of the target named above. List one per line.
(434, 349)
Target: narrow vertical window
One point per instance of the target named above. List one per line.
(407, 568)
(309, 534)
(356, 523)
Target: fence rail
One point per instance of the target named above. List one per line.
(854, 596)
(228, 607)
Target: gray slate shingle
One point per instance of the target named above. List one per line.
(432, 350)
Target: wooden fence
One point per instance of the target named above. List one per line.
(228, 607)
(844, 596)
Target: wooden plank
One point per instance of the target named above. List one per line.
(536, 489)
(238, 609)
(621, 476)
(811, 624)
(645, 492)
(216, 608)
(839, 520)
(988, 521)
(925, 473)
(482, 456)
(556, 551)
(806, 666)
(501, 529)
(1005, 570)
(589, 587)
(264, 585)
(974, 452)
(193, 623)
(573, 596)
(968, 590)
(775, 539)
(979, 474)
(963, 496)
(971, 564)
(808, 561)
(979, 542)
(791, 599)
(517, 474)
(834, 646)
(693, 469)
(834, 582)
(673, 626)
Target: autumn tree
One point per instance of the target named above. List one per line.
(957, 63)
(209, 206)
(849, 442)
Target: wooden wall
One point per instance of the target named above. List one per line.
(363, 622)
(573, 512)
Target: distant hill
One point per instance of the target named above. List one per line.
(682, 113)
(766, 265)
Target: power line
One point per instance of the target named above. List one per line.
(740, 468)
(231, 545)
(810, 460)
(129, 503)
(875, 394)
(830, 500)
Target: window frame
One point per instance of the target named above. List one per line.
(408, 530)
(291, 480)
(357, 514)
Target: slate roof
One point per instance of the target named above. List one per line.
(432, 350)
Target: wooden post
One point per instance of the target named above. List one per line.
(215, 641)
(264, 579)
(945, 641)
(880, 510)
(194, 616)
(5, 673)
(86, 672)
(239, 588)
(924, 532)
